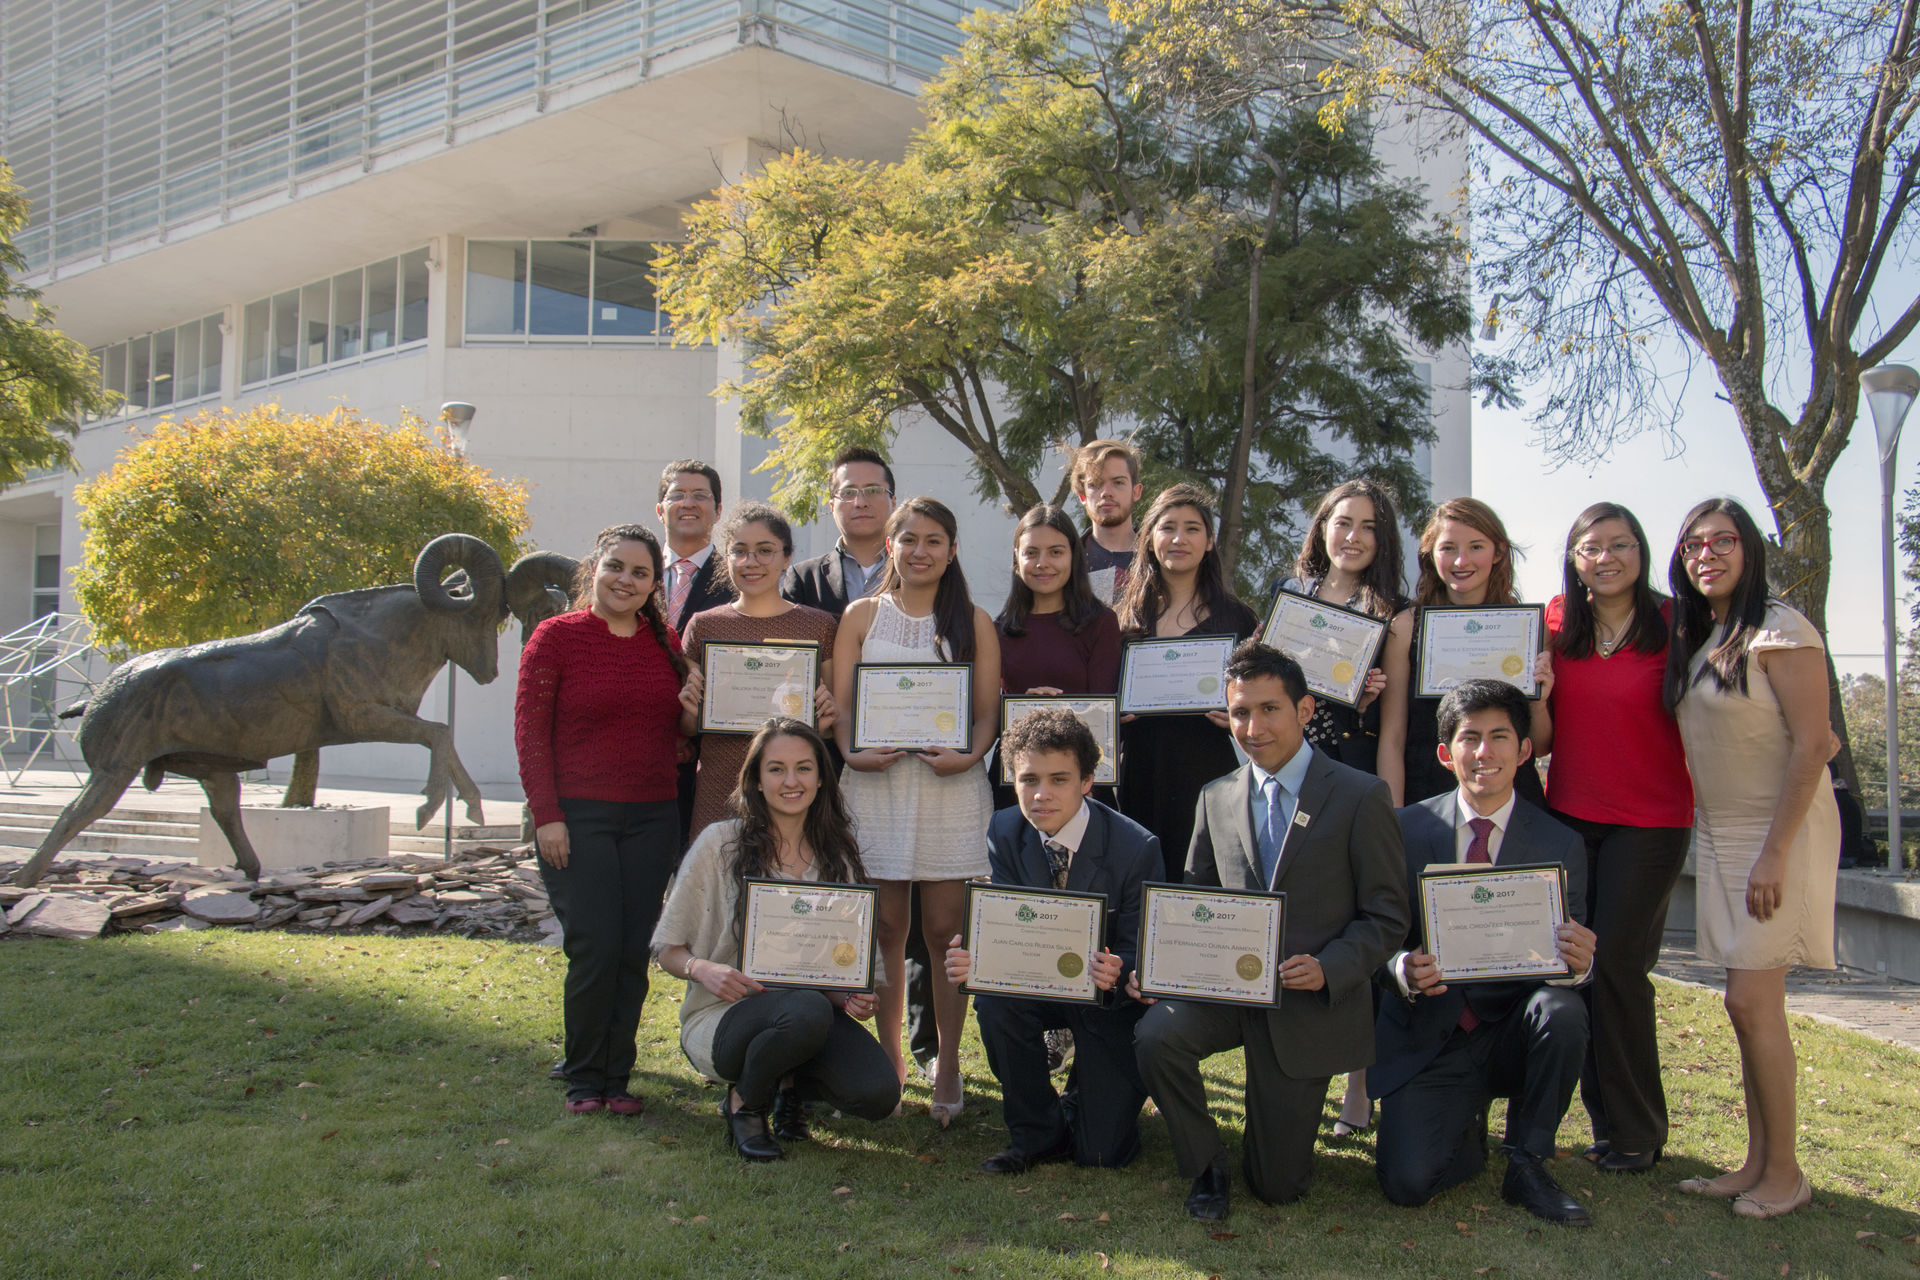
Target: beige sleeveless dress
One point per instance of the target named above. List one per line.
(1737, 750)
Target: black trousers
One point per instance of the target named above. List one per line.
(1433, 1128)
(1101, 1109)
(1283, 1112)
(608, 899)
(762, 1039)
(923, 1033)
(1631, 872)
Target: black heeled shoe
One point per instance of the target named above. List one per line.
(748, 1132)
(789, 1116)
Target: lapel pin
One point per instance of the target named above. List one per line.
(1300, 818)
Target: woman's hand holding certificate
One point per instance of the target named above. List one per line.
(1335, 647)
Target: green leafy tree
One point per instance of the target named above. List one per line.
(227, 523)
(48, 382)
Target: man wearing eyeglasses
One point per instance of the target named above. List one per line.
(860, 498)
(688, 508)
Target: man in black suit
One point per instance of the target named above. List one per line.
(1446, 1052)
(692, 578)
(1295, 821)
(860, 498)
(1060, 839)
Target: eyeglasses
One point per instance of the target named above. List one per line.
(762, 555)
(688, 495)
(1591, 551)
(855, 492)
(1721, 544)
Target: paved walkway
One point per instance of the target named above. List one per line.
(1870, 1003)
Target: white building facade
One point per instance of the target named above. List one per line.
(389, 204)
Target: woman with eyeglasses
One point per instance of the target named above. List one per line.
(756, 544)
(1747, 679)
(1632, 806)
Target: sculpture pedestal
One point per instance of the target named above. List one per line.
(288, 839)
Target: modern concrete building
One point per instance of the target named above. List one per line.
(390, 204)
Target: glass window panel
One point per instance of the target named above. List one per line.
(383, 278)
(560, 272)
(186, 362)
(313, 325)
(46, 540)
(139, 372)
(496, 286)
(211, 343)
(255, 339)
(46, 572)
(286, 333)
(623, 304)
(346, 316)
(413, 296)
(44, 603)
(164, 391)
(113, 370)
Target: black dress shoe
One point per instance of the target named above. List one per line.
(1529, 1185)
(558, 1070)
(1596, 1152)
(748, 1132)
(1014, 1160)
(789, 1116)
(1207, 1201)
(1627, 1161)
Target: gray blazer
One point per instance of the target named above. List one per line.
(1345, 878)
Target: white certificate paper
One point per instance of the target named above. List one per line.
(1210, 944)
(1457, 645)
(1034, 943)
(904, 707)
(801, 933)
(1101, 715)
(1335, 647)
(747, 684)
(1484, 922)
(1183, 674)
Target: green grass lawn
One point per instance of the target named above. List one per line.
(265, 1105)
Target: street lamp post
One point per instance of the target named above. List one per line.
(458, 416)
(1890, 389)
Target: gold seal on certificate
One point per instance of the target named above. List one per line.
(1213, 945)
(1175, 674)
(911, 707)
(1486, 923)
(1335, 647)
(1034, 943)
(804, 933)
(1099, 714)
(747, 684)
(1457, 645)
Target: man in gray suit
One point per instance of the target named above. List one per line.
(1447, 1051)
(1296, 822)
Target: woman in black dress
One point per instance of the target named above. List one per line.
(1176, 588)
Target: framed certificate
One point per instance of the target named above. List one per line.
(1488, 923)
(1457, 645)
(1101, 714)
(1177, 675)
(1213, 945)
(907, 707)
(746, 684)
(1336, 647)
(1034, 943)
(803, 933)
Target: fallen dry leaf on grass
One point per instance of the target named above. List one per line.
(501, 1142)
(1105, 1261)
(1068, 1217)
(1223, 1235)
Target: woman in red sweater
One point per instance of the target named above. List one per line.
(596, 725)
(1619, 778)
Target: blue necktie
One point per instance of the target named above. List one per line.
(1272, 832)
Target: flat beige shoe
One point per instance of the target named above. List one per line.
(1712, 1188)
(1746, 1206)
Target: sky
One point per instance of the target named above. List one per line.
(1514, 475)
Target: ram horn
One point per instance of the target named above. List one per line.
(531, 582)
(485, 575)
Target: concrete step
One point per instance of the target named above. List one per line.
(118, 822)
(94, 840)
(30, 813)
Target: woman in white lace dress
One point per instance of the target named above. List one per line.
(921, 816)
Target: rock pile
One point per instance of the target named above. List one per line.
(485, 891)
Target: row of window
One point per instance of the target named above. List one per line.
(353, 314)
(168, 367)
(594, 289)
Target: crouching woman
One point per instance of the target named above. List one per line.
(777, 1049)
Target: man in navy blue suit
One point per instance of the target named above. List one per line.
(1445, 1052)
(1059, 838)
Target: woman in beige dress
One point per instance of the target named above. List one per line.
(1747, 680)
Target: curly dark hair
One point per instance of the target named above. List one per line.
(1051, 729)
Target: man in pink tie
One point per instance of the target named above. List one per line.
(688, 508)
(1447, 1050)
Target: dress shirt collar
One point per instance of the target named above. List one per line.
(1463, 813)
(1073, 833)
(1290, 775)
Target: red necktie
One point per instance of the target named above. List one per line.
(1477, 851)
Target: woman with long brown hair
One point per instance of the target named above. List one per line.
(1177, 588)
(596, 727)
(775, 1049)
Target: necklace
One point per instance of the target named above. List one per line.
(1604, 642)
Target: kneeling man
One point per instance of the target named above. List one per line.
(1296, 821)
(1446, 1053)
(1060, 839)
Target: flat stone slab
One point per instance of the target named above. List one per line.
(68, 915)
(221, 906)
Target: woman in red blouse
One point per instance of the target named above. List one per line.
(596, 726)
(1619, 778)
